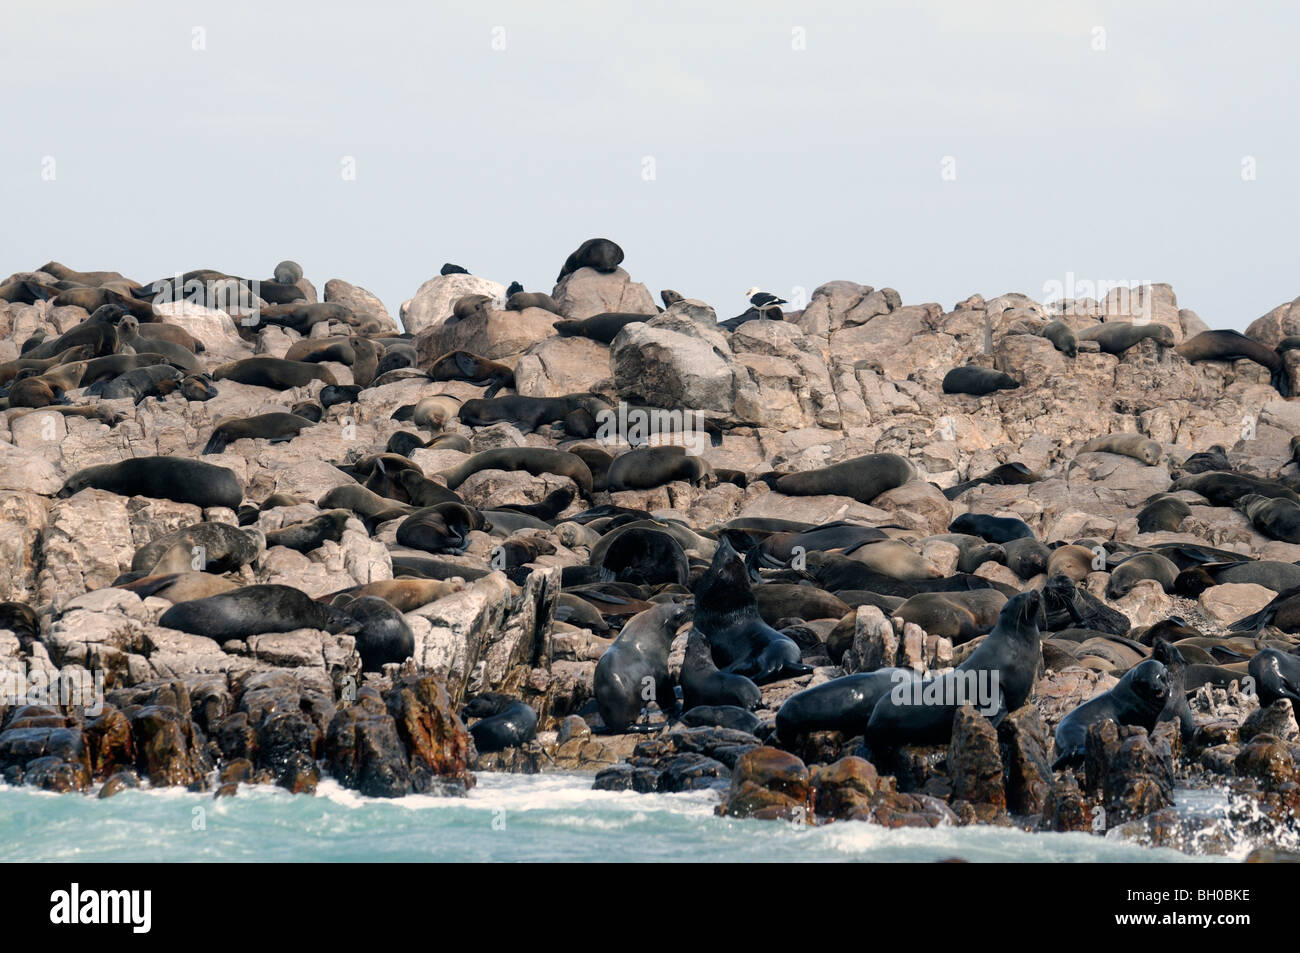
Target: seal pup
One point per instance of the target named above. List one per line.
(721, 716)
(996, 529)
(306, 536)
(703, 684)
(207, 547)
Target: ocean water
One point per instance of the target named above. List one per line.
(505, 818)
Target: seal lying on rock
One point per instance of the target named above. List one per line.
(162, 478)
(843, 704)
(503, 722)
(256, 610)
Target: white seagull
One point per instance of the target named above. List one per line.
(764, 302)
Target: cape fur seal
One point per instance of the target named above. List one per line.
(529, 413)
(1006, 474)
(274, 428)
(1062, 337)
(1277, 675)
(996, 679)
(599, 253)
(1223, 488)
(726, 612)
(842, 704)
(404, 595)
(306, 536)
(703, 684)
(1276, 518)
(203, 547)
(520, 300)
(288, 272)
(1138, 699)
(1128, 444)
(383, 636)
(645, 556)
(863, 478)
(721, 716)
(1116, 337)
(161, 478)
(503, 722)
(464, 366)
(633, 671)
(256, 610)
(1235, 346)
(534, 460)
(996, 529)
(976, 380)
(1162, 513)
(600, 327)
(273, 372)
(441, 529)
(647, 467)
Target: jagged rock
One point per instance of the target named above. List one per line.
(1028, 771)
(433, 733)
(845, 789)
(363, 750)
(975, 764)
(1139, 778)
(1266, 759)
(769, 784)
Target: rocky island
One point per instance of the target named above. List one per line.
(257, 534)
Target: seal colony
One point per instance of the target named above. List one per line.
(1005, 563)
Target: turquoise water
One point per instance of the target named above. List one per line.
(505, 818)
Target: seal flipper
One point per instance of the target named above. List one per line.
(216, 443)
(1279, 381)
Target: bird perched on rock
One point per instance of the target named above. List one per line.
(763, 302)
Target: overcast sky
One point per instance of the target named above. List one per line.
(750, 143)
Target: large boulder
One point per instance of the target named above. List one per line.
(586, 291)
(432, 304)
(496, 335)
